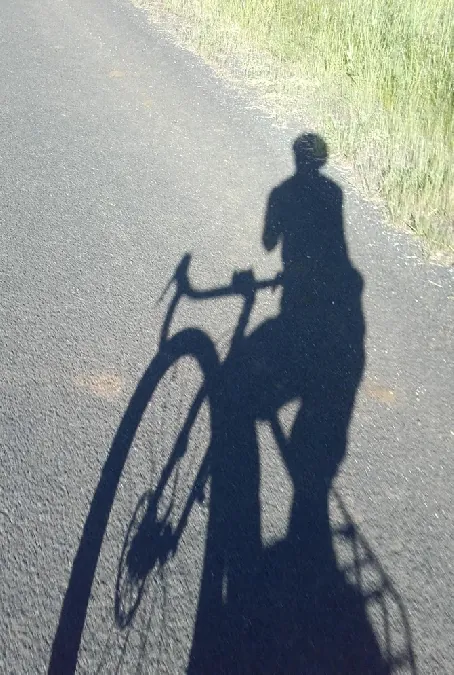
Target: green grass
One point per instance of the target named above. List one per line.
(375, 78)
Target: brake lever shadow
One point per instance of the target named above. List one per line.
(180, 277)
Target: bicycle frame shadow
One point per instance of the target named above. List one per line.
(293, 607)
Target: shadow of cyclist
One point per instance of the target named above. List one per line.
(288, 609)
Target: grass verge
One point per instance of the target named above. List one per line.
(374, 78)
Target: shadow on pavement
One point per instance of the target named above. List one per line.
(293, 607)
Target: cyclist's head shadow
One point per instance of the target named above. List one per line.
(310, 152)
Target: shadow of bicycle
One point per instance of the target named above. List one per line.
(316, 601)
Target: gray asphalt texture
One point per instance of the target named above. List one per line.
(119, 153)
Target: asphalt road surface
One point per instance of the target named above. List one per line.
(304, 523)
